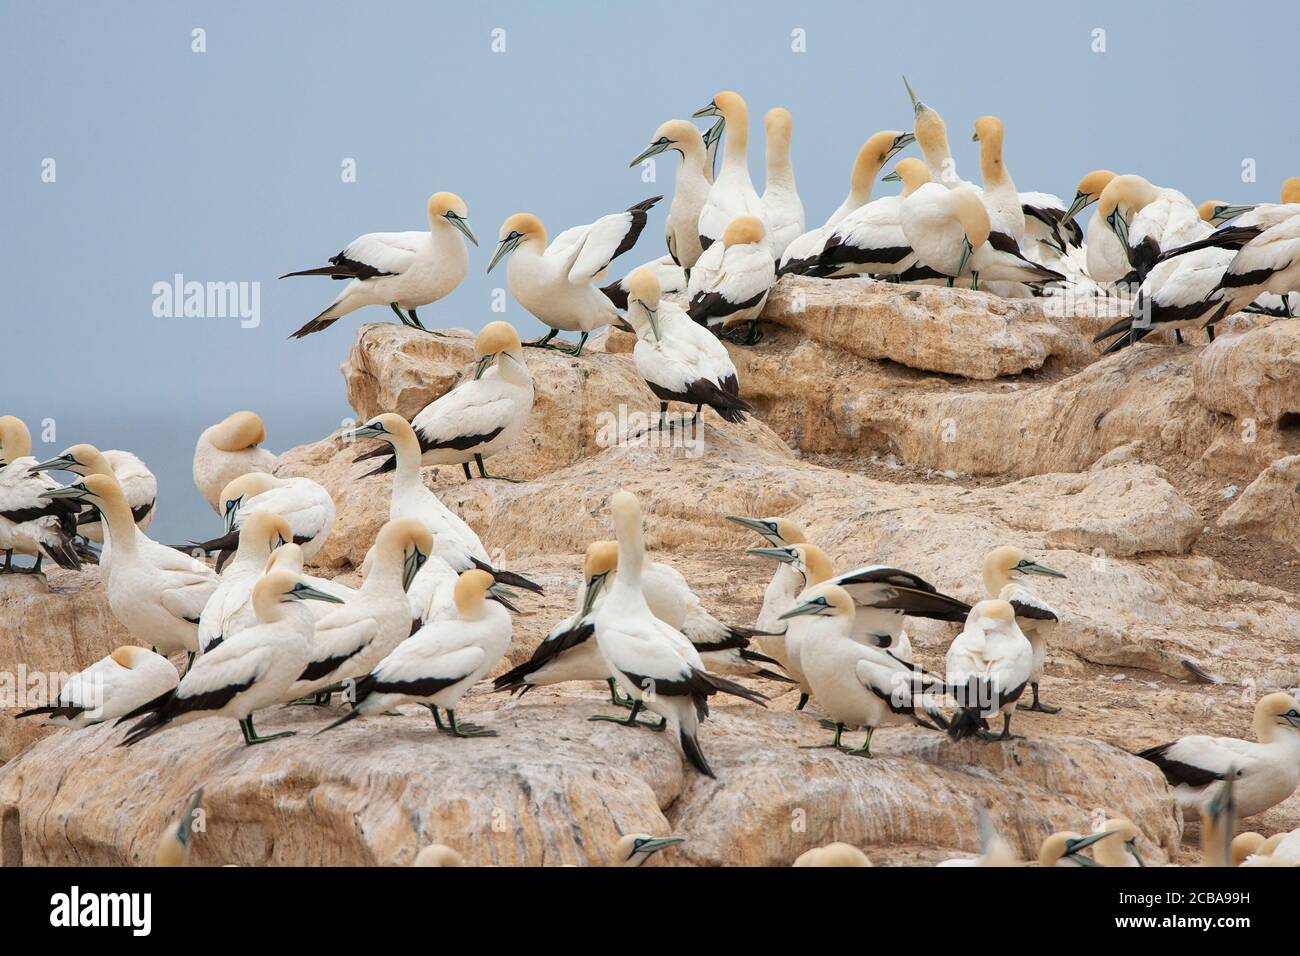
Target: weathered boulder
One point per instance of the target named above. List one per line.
(1270, 505)
(1254, 375)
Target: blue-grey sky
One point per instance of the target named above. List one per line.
(225, 165)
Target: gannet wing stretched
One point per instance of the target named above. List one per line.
(887, 588)
(588, 250)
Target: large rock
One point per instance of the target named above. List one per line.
(1254, 375)
(1270, 505)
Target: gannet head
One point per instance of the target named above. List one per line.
(970, 211)
(15, 439)
(833, 854)
(824, 600)
(1124, 197)
(471, 591)
(1244, 845)
(1068, 846)
(286, 557)
(879, 149)
(497, 339)
(1119, 843)
(130, 656)
(279, 587)
(779, 531)
(1274, 712)
(681, 135)
(598, 567)
(1004, 564)
(79, 459)
(520, 228)
(242, 489)
(264, 530)
(931, 132)
(991, 615)
(643, 295)
(635, 848)
(238, 432)
(438, 854)
(1291, 190)
(1216, 212)
(1089, 191)
(408, 539)
(743, 230)
(174, 844)
(778, 126)
(989, 131)
(449, 209)
(388, 427)
(96, 489)
(730, 106)
(912, 173)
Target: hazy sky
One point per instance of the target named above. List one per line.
(225, 165)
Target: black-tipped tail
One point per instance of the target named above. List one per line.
(352, 714)
(966, 723)
(691, 748)
(725, 686)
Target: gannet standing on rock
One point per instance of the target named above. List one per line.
(884, 596)
(690, 191)
(1148, 221)
(247, 672)
(137, 482)
(731, 280)
(680, 360)
(1036, 618)
(226, 450)
(988, 666)
(780, 194)
(303, 503)
(732, 194)
(31, 523)
(109, 688)
(1266, 771)
(557, 282)
(260, 533)
(799, 567)
(402, 270)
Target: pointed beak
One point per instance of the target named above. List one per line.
(1081, 202)
(784, 555)
(1044, 570)
(653, 149)
(483, 364)
(1074, 847)
(1224, 213)
(411, 567)
(462, 225)
(60, 463)
(802, 610)
(891, 177)
(757, 525)
(901, 141)
(710, 110)
(367, 431)
(503, 249)
(917, 105)
(67, 491)
(1119, 225)
(714, 132)
(966, 251)
(501, 596)
(654, 323)
(594, 585)
(312, 594)
(650, 847)
(1133, 848)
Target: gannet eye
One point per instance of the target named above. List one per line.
(513, 235)
(637, 844)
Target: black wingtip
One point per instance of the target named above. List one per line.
(352, 714)
(691, 748)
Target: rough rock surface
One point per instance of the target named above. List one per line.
(1270, 505)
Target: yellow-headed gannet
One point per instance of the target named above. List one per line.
(174, 844)
(635, 849)
(136, 480)
(799, 567)
(731, 280)
(732, 194)
(226, 450)
(671, 276)
(776, 531)
(110, 687)
(30, 522)
(1066, 848)
(780, 194)
(1119, 846)
(988, 666)
(246, 673)
(1000, 193)
(932, 136)
(402, 270)
(557, 283)
(260, 533)
(833, 854)
(302, 502)
(1148, 220)
(691, 189)
(1266, 771)
(1004, 567)
(1106, 257)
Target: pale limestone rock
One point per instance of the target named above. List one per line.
(1255, 375)
(1271, 504)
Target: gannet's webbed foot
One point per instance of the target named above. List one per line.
(803, 700)
(415, 321)
(1037, 704)
(466, 730)
(544, 342)
(631, 719)
(482, 472)
(754, 335)
(250, 734)
(865, 749)
(1006, 730)
(617, 699)
(833, 745)
(577, 350)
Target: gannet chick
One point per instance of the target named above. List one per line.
(732, 194)
(440, 662)
(833, 854)
(731, 280)
(680, 360)
(156, 592)
(260, 533)
(245, 673)
(780, 194)
(690, 190)
(635, 849)
(801, 256)
(109, 688)
(988, 666)
(1267, 771)
(1003, 569)
(1066, 849)
(302, 502)
(651, 662)
(557, 283)
(137, 482)
(438, 854)
(227, 450)
(857, 685)
(402, 270)
(174, 844)
(1119, 846)
(1148, 220)
(1000, 193)
(31, 522)
(1106, 257)
(799, 567)
(481, 416)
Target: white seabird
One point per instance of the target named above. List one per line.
(1148, 220)
(732, 193)
(833, 854)
(31, 523)
(690, 191)
(1118, 848)
(110, 687)
(780, 194)
(1003, 569)
(777, 531)
(1105, 257)
(671, 276)
(731, 280)
(402, 270)
(302, 502)
(988, 666)
(260, 533)
(999, 192)
(800, 568)
(226, 450)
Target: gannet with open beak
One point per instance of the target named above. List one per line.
(780, 194)
(1004, 568)
(680, 360)
(226, 450)
(246, 673)
(731, 280)
(439, 663)
(1148, 220)
(802, 254)
(557, 283)
(833, 854)
(229, 609)
(1266, 770)
(858, 686)
(690, 190)
(110, 687)
(647, 658)
(136, 480)
(302, 502)
(1000, 193)
(988, 666)
(30, 522)
(402, 270)
(1119, 846)
(732, 194)
(156, 592)
(1066, 848)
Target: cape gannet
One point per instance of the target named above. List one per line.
(174, 844)
(1267, 263)
(1000, 193)
(777, 531)
(30, 522)
(438, 664)
(671, 276)
(110, 687)
(680, 360)
(635, 849)
(1119, 846)
(1106, 257)
(402, 270)
(731, 280)
(302, 502)
(136, 480)
(1148, 220)
(780, 194)
(1266, 770)
(833, 854)
(1239, 224)
(1066, 848)
(691, 189)
(988, 666)
(479, 417)
(557, 283)
(732, 194)
(247, 672)
(227, 450)
(1004, 567)
(229, 610)
(799, 567)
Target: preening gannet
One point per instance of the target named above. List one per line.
(988, 666)
(229, 609)
(1149, 221)
(557, 283)
(402, 270)
(833, 854)
(156, 592)
(1066, 849)
(303, 503)
(650, 661)
(1004, 567)
(857, 685)
(174, 844)
(1000, 193)
(680, 360)
(1266, 771)
(691, 189)
(31, 523)
(732, 194)
(731, 280)
(780, 194)
(1106, 257)
(799, 567)
(438, 664)
(802, 254)
(1119, 846)
(110, 687)
(480, 416)
(227, 450)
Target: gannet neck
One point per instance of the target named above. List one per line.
(267, 593)
(735, 147)
(406, 449)
(631, 541)
(992, 169)
(469, 594)
(866, 166)
(387, 556)
(777, 125)
(118, 520)
(258, 535)
(970, 211)
(932, 137)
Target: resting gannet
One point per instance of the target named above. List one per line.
(732, 194)
(260, 533)
(690, 190)
(174, 844)
(1266, 771)
(1119, 846)
(30, 522)
(833, 854)
(402, 270)
(110, 687)
(731, 280)
(137, 482)
(556, 283)
(1106, 257)
(988, 666)
(1003, 569)
(227, 450)
(303, 503)
(780, 194)
(1239, 224)
(871, 240)
(1148, 220)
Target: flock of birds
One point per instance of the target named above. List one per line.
(432, 616)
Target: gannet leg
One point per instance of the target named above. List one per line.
(467, 730)
(616, 698)
(9, 562)
(400, 314)
(415, 321)
(1178, 334)
(1209, 330)
(542, 342)
(865, 749)
(437, 720)
(34, 569)
(1286, 305)
(465, 465)
(631, 719)
(1037, 704)
(974, 281)
(582, 340)
(250, 734)
(189, 662)
(1006, 729)
(803, 699)
(478, 460)
(835, 744)
(754, 336)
